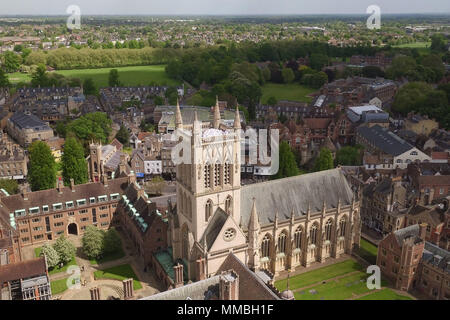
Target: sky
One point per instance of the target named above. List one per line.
(220, 7)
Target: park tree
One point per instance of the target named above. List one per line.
(11, 61)
(155, 186)
(92, 242)
(42, 167)
(372, 72)
(73, 162)
(438, 42)
(114, 79)
(288, 75)
(51, 254)
(272, 101)
(318, 61)
(111, 242)
(89, 87)
(66, 250)
(40, 77)
(123, 136)
(349, 156)
(96, 126)
(4, 80)
(287, 162)
(10, 185)
(324, 161)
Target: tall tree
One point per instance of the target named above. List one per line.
(10, 185)
(11, 61)
(92, 242)
(73, 162)
(51, 254)
(89, 87)
(4, 80)
(123, 136)
(42, 167)
(324, 161)
(287, 163)
(111, 242)
(113, 79)
(66, 250)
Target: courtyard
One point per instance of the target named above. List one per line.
(105, 273)
(345, 280)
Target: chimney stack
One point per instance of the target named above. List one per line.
(95, 293)
(105, 180)
(229, 286)
(422, 231)
(178, 270)
(200, 269)
(59, 185)
(72, 184)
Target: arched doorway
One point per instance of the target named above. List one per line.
(72, 229)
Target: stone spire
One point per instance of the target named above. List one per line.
(178, 118)
(216, 114)
(237, 119)
(253, 242)
(253, 224)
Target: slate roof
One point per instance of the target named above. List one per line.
(295, 193)
(23, 269)
(384, 140)
(51, 196)
(207, 289)
(214, 227)
(25, 121)
(436, 256)
(410, 231)
(251, 286)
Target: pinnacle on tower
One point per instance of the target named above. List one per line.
(178, 118)
(253, 223)
(237, 119)
(216, 114)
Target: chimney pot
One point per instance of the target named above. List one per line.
(423, 231)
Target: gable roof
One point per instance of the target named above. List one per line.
(384, 140)
(295, 193)
(23, 269)
(410, 231)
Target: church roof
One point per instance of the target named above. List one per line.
(295, 193)
(214, 226)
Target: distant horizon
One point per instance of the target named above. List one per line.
(221, 8)
(228, 14)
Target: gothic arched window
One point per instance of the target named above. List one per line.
(265, 247)
(342, 226)
(208, 209)
(282, 243)
(328, 227)
(229, 205)
(298, 238)
(313, 234)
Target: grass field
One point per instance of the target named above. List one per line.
(341, 289)
(119, 273)
(129, 76)
(385, 294)
(114, 256)
(311, 277)
(58, 286)
(416, 45)
(368, 251)
(37, 252)
(292, 92)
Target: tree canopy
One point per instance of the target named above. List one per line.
(324, 161)
(288, 165)
(66, 250)
(42, 167)
(73, 163)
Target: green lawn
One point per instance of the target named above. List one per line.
(416, 45)
(129, 76)
(58, 286)
(57, 269)
(114, 256)
(37, 252)
(292, 92)
(311, 277)
(119, 273)
(368, 251)
(385, 294)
